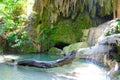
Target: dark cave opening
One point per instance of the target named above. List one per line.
(61, 45)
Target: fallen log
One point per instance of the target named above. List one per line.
(49, 64)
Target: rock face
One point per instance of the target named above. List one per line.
(70, 8)
(69, 17)
(55, 50)
(98, 33)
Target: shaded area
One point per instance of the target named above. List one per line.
(61, 45)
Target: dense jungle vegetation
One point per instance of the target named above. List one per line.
(38, 25)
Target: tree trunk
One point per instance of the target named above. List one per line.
(49, 64)
(114, 4)
(118, 9)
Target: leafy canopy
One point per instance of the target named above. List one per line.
(14, 21)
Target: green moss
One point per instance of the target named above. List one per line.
(69, 31)
(74, 46)
(84, 21)
(64, 32)
(68, 21)
(54, 50)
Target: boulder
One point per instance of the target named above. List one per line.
(55, 50)
(74, 46)
(8, 58)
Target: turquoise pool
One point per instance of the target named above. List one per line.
(77, 70)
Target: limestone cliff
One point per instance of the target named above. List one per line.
(66, 19)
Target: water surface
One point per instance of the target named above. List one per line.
(77, 70)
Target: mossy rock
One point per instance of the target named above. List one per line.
(74, 46)
(64, 32)
(54, 50)
(85, 34)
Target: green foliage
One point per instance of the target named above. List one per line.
(69, 31)
(64, 32)
(14, 19)
(84, 21)
(114, 30)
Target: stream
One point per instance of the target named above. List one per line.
(77, 70)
